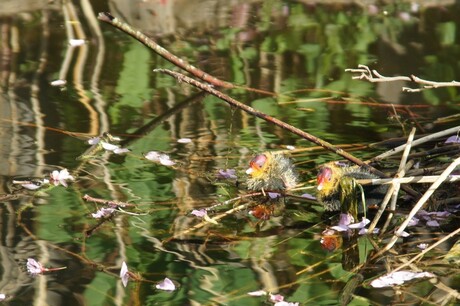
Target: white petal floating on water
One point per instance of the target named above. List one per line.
(361, 224)
(76, 42)
(226, 174)
(276, 298)
(108, 146)
(103, 212)
(308, 196)
(274, 195)
(184, 140)
(121, 151)
(453, 139)
(153, 156)
(166, 285)
(61, 177)
(166, 161)
(200, 213)
(58, 83)
(404, 234)
(433, 223)
(422, 246)
(162, 158)
(283, 303)
(124, 274)
(94, 140)
(398, 278)
(34, 267)
(258, 293)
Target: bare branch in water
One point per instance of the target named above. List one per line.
(365, 73)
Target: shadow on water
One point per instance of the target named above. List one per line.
(70, 86)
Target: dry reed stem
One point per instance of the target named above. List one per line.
(419, 205)
(417, 142)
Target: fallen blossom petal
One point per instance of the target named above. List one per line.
(274, 195)
(340, 228)
(58, 83)
(200, 213)
(34, 267)
(276, 298)
(166, 285)
(308, 196)
(441, 214)
(2, 296)
(404, 234)
(257, 293)
(289, 147)
(226, 174)
(76, 42)
(422, 246)
(152, 155)
(453, 139)
(184, 140)
(398, 278)
(413, 222)
(361, 224)
(345, 220)
(163, 159)
(103, 212)
(283, 303)
(94, 140)
(124, 274)
(121, 151)
(166, 161)
(433, 223)
(108, 146)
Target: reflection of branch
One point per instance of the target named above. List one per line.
(179, 62)
(374, 76)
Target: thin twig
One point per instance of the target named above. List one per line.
(107, 202)
(417, 142)
(374, 76)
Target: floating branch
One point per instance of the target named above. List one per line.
(373, 76)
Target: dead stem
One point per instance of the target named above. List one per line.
(374, 76)
(421, 202)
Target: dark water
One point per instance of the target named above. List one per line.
(296, 50)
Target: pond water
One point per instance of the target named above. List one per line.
(66, 77)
